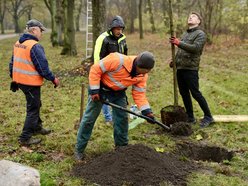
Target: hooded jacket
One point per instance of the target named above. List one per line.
(107, 43)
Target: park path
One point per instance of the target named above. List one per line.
(5, 36)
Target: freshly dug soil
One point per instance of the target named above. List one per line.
(135, 165)
(172, 114)
(181, 129)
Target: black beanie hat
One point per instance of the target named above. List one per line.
(145, 60)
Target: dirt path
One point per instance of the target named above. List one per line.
(5, 36)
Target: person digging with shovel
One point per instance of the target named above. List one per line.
(108, 80)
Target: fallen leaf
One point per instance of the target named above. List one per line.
(159, 149)
(199, 137)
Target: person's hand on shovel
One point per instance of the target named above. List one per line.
(152, 118)
(148, 113)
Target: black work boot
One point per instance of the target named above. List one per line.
(29, 142)
(43, 131)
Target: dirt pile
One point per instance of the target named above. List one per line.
(135, 165)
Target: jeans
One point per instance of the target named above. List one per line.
(93, 109)
(188, 82)
(106, 110)
(32, 122)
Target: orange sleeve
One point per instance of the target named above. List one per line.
(139, 94)
(107, 64)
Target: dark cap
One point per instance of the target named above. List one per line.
(145, 60)
(198, 15)
(33, 23)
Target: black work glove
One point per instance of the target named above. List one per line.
(14, 86)
(152, 118)
(148, 113)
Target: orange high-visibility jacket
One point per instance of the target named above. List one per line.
(24, 71)
(114, 71)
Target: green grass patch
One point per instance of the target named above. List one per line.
(223, 82)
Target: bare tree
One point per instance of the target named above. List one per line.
(149, 3)
(16, 10)
(132, 14)
(211, 10)
(78, 13)
(51, 5)
(2, 14)
(59, 22)
(140, 20)
(69, 47)
(164, 9)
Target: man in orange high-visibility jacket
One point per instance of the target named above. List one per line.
(108, 80)
(28, 67)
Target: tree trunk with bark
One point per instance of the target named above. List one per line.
(149, 3)
(2, 14)
(78, 13)
(133, 14)
(98, 18)
(59, 22)
(51, 5)
(69, 47)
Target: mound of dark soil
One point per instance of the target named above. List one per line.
(135, 165)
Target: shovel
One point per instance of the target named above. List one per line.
(136, 114)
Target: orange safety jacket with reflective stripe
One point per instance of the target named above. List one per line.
(24, 71)
(114, 72)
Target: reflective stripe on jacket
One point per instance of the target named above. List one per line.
(24, 71)
(114, 72)
(107, 43)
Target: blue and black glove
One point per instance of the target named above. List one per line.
(94, 94)
(148, 113)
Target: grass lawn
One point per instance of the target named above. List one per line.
(223, 82)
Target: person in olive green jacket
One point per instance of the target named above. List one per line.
(190, 48)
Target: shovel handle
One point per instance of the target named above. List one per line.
(136, 114)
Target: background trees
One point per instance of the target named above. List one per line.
(64, 17)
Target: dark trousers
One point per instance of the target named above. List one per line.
(32, 122)
(188, 83)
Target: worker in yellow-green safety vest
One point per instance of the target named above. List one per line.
(113, 40)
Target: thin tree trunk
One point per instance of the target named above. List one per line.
(133, 14)
(2, 14)
(173, 54)
(59, 22)
(140, 20)
(69, 47)
(165, 13)
(52, 9)
(151, 16)
(77, 19)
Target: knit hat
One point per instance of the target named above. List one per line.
(33, 23)
(145, 60)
